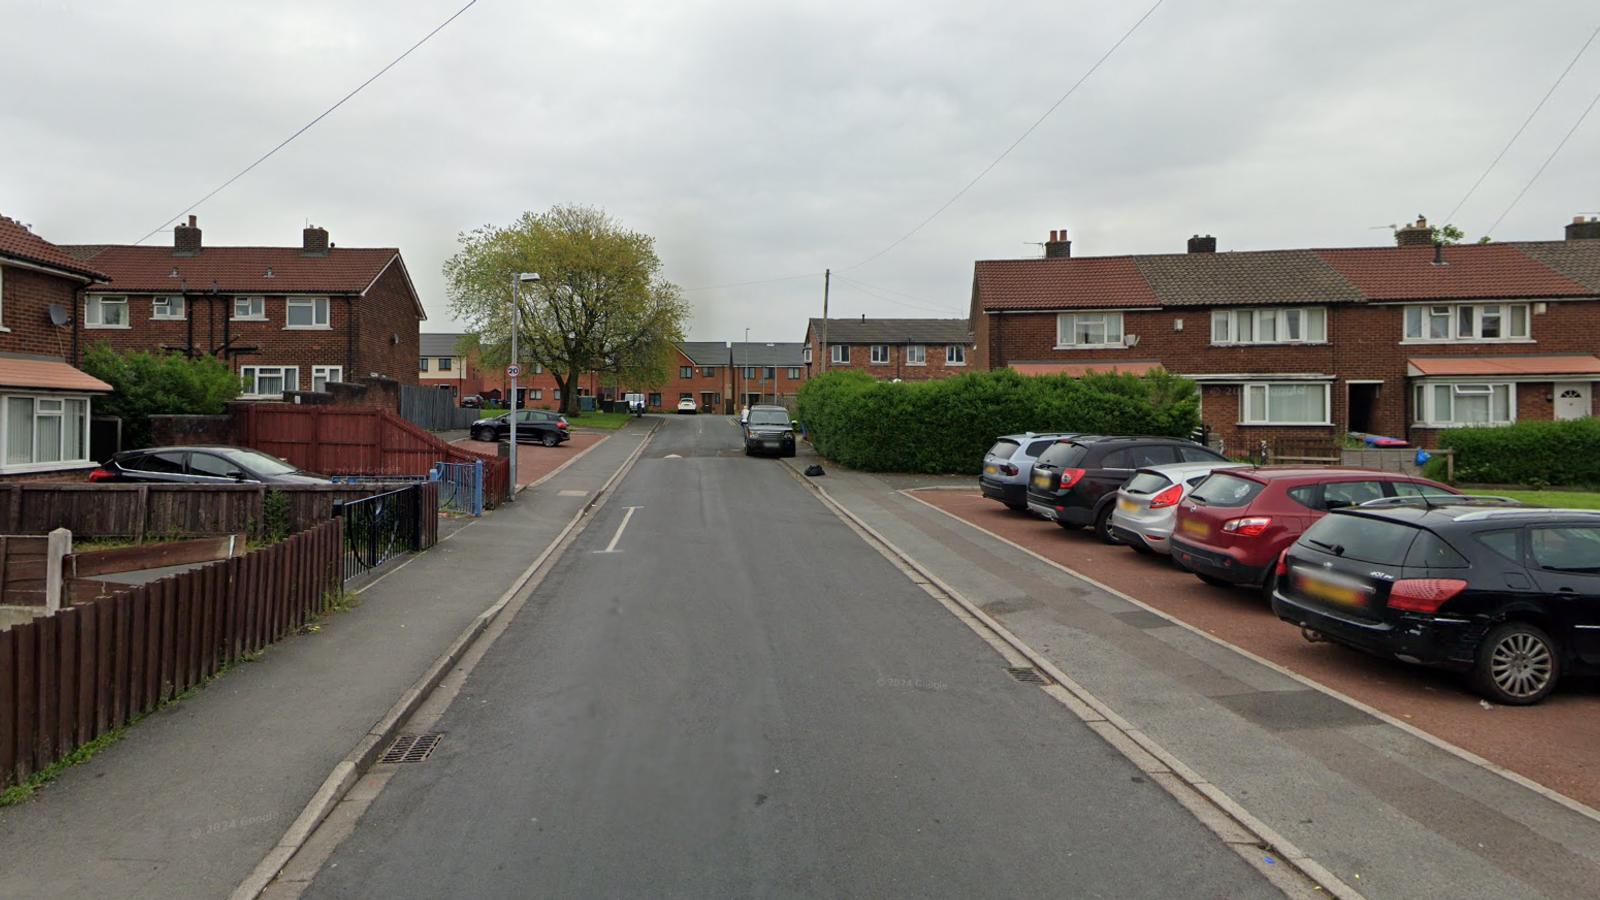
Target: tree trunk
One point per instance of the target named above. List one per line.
(569, 396)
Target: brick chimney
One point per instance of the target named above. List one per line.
(1198, 244)
(1583, 229)
(1418, 235)
(314, 241)
(1058, 247)
(186, 239)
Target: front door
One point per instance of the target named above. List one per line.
(1572, 400)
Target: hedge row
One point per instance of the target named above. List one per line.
(1536, 454)
(945, 426)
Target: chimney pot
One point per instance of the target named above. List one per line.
(1058, 247)
(191, 221)
(1198, 244)
(1418, 235)
(1581, 230)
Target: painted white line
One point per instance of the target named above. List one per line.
(612, 547)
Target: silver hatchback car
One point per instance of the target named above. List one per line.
(1147, 504)
(1009, 462)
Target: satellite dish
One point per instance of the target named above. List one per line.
(59, 315)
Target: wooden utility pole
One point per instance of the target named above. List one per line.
(827, 276)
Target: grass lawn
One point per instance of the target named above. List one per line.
(610, 420)
(1557, 499)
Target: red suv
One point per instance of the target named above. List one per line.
(1232, 527)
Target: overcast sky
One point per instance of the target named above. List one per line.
(759, 140)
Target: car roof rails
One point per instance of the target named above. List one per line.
(1439, 502)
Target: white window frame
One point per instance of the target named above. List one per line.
(94, 312)
(1110, 325)
(793, 373)
(252, 376)
(1463, 323)
(326, 374)
(1233, 327)
(445, 363)
(916, 354)
(839, 354)
(1426, 397)
(257, 309)
(35, 464)
(319, 313)
(955, 355)
(167, 308)
(424, 366)
(878, 355)
(1264, 389)
(536, 394)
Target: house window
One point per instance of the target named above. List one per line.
(916, 355)
(307, 312)
(270, 381)
(250, 308)
(537, 393)
(555, 394)
(444, 363)
(1089, 330)
(1463, 403)
(50, 430)
(955, 355)
(1473, 322)
(424, 365)
(749, 371)
(686, 371)
(794, 372)
(769, 372)
(683, 397)
(839, 353)
(321, 375)
(1307, 325)
(166, 308)
(880, 354)
(106, 312)
(708, 372)
(655, 400)
(1285, 404)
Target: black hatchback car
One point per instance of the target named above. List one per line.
(542, 425)
(1075, 481)
(201, 465)
(1509, 594)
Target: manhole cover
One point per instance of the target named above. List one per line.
(412, 748)
(1027, 675)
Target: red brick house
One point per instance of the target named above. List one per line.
(1309, 344)
(891, 349)
(767, 372)
(45, 402)
(285, 318)
(701, 372)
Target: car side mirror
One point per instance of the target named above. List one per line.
(236, 475)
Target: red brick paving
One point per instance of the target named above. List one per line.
(534, 461)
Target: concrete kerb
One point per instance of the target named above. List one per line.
(348, 771)
(1107, 723)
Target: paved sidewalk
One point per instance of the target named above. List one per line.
(1390, 814)
(194, 797)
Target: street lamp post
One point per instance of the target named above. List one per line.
(516, 325)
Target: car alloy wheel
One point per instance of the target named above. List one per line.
(1102, 527)
(550, 439)
(482, 434)
(1517, 664)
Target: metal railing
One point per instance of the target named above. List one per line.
(379, 528)
(461, 485)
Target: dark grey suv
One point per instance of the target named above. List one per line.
(769, 431)
(1075, 481)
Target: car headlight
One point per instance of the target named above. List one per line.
(788, 434)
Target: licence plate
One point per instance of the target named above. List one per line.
(1333, 593)
(769, 444)
(1194, 527)
(1127, 506)
(1043, 481)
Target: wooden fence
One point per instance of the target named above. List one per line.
(111, 510)
(342, 440)
(69, 678)
(435, 409)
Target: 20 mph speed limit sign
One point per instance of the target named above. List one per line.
(513, 370)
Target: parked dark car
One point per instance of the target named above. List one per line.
(472, 402)
(201, 464)
(1232, 527)
(541, 425)
(1009, 463)
(769, 430)
(1508, 594)
(1075, 481)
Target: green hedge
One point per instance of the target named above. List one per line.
(1536, 454)
(945, 426)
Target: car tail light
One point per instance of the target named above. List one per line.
(1168, 497)
(102, 474)
(1249, 526)
(561, 425)
(1424, 594)
(1070, 477)
(1283, 564)
(1007, 469)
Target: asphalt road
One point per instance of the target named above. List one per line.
(735, 696)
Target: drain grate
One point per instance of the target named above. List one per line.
(412, 748)
(1027, 675)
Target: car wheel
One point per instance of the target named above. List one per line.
(1517, 664)
(551, 439)
(1102, 527)
(482, 434)
(1213, 580)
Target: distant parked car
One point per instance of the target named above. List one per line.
(687, 405)
(1075, 481)
(1147, 505)
(769, 431)
(1232, 527)
(1009, 463)
(201, 464)
(541, 425)
(1510, 595)
(472, 402)
(636, 404)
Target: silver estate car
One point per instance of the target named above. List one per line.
(1147, 505)
(1009, 462)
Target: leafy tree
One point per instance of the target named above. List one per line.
(147, 384)
(601, 304)
(1450, 234)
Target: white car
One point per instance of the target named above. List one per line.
(1147, 505)
(687, 405)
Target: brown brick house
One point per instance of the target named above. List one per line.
(767, 372)
(285, 318)
(891, 349)
(701, 372)
(45, 403)
(1308, 344)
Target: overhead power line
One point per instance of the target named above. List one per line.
(1550, 159)
(864, 288)
(718, 287)
(307, 126)
(1015, 143)
(867, 289)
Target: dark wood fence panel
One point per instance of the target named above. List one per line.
(22, 570)
(137, 511)
(69, 678)
(434, 409)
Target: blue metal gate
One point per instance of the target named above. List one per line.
(460, 484)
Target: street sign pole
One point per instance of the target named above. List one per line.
(514, 369)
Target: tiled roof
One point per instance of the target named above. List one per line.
(706, 353)
(1504, 365)
(1272, 276)
(757, 354)
(1080, 369)
(895, 331)
(34, 373)
(1470, 271)
(1578, 260)
(21, 244)
(240, 270)
(439, 344)
(1083, 283)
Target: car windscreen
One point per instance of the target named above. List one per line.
(1361, 538)
(1222, 489)
(769, 417)
(258, 462)
(1065, 454)
(1003, 449)
(1147, 483)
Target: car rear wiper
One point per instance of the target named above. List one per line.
(1335, 549)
